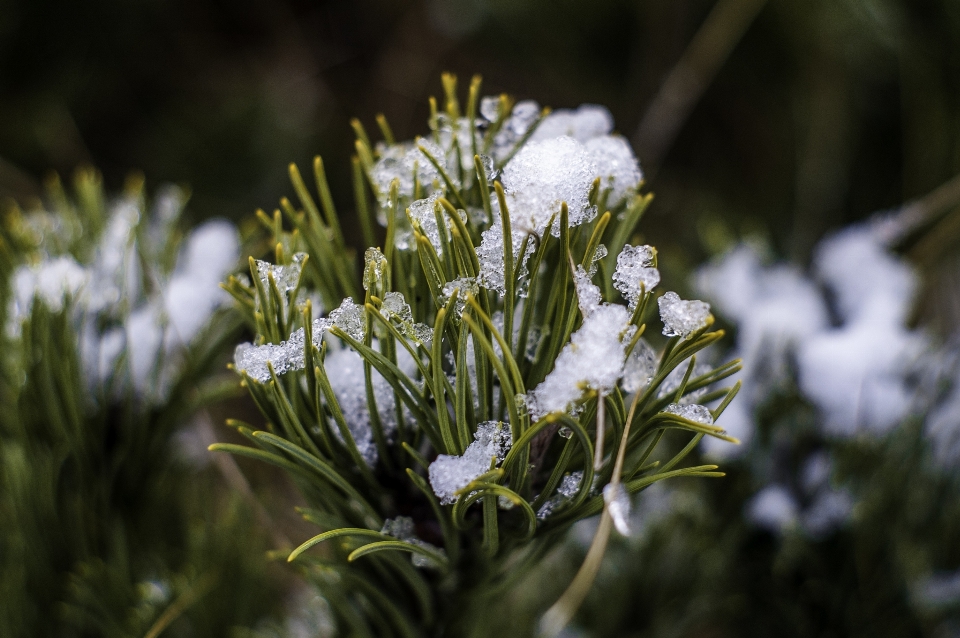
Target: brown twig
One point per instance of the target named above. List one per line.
(690, 77)
(917, 213)
(231, 473)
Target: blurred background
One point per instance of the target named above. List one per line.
(788, 117)
(781, 120)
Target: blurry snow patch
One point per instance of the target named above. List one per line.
(617, 166)
(856, 375)
(640, 367)
(817, 507)
(193, 293)
(831, 509)
(345, 371)
(50, 282)
(309, 616)
(672, 382)
(941, 589)
(115, 314)
(585, 123)
(617, 501)
(773, 508)
(514, 127)
(736, 421)
(942, 428)
(869, 283)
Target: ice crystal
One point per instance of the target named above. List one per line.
(402, 528)
(286, 277)
(374, 268)
(592, 360)
(424, 212)
(396, 309)
(449, 474)
(349, 318)
(490, 107)
(640, 367)
(289, 355)
(464, 286)
(682, 318)
(588, 294)
(690, 412)
(635, 272)
(569, 486)
(401, 162)
(490, 256)
(541, 177)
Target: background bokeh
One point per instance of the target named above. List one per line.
(825, 111)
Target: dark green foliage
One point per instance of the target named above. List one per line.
(105, 527)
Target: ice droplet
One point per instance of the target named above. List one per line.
(618, 504)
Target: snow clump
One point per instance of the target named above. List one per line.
(592, 360)
(635, 272)
(449, 474)
(288, 355)
(682, 318)
(617, 166)
(112, 311)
